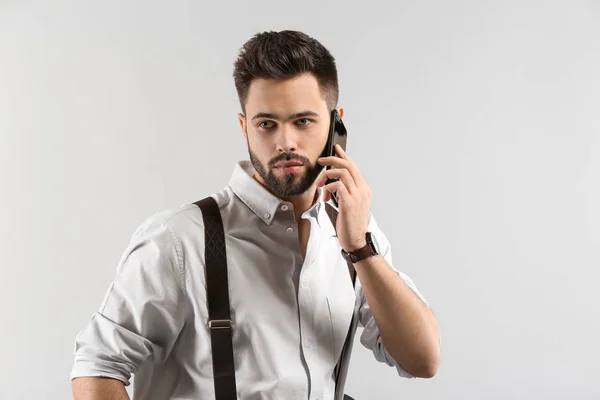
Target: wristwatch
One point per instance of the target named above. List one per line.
(368, 250)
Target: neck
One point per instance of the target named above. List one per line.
(302, 202)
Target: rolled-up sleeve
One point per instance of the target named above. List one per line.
(142, 312)
(371, 337)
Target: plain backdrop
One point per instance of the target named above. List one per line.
(476, 123)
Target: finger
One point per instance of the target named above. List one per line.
(333, 161)
(341, 152)
(336, 187)
(341, 174)
(354, 170)
(344, 161)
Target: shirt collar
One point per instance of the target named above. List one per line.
(262, 202)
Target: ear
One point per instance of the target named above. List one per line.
(340, 110)
(242, 121)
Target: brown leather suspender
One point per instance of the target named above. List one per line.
(217, 295)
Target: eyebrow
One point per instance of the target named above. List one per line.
(292, 116)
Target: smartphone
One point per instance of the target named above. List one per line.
(337, 135)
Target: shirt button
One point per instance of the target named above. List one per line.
(289, 229)
(284, 207)
(304, 285)
(267, 215)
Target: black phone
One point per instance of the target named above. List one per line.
(337, 135)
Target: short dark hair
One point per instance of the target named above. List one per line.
(285, 55)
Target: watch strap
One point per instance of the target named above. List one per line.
(360, 254)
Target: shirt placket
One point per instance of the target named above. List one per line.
(306, 305)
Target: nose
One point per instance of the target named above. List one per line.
(287, 140)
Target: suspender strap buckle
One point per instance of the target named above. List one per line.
(220, 324)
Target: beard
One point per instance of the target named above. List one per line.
(290, 184)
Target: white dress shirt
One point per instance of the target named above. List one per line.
(291, 315)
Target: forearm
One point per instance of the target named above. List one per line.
(99, 389)
(408, 328)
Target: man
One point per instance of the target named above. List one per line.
(292, 299)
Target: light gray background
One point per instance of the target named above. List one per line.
(476, 123)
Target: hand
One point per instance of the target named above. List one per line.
(353, 195)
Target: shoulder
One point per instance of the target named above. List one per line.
(181, 220)
(167, 239)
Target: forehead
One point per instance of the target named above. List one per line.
(299, 93)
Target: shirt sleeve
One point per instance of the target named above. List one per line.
(371, 337)
(142, 312)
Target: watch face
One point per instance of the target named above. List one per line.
(374, 242)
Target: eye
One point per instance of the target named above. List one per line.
(304, 122)
(265, 124)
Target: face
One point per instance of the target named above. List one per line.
(286, 127)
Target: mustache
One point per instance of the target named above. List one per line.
(289, 157)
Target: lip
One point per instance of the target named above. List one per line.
(288, 164)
